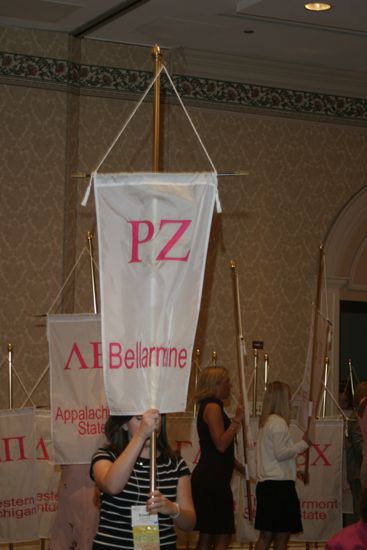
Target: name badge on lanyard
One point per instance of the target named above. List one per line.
(145, 529)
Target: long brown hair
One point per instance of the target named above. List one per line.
(276, 401)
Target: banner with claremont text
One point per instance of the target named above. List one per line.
(78, 403)
(321, 499)
(18, 476)
(153, 232)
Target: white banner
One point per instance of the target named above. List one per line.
(321, 499)
(78, 403)
(18, 476)
(153, 232)
(78, 511)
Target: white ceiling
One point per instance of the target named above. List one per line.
(274, 40)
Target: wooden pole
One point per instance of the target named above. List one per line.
(10, 389)
(156, 168)
(241, 374)
(157, 109)
(314, 352)
(92, 272)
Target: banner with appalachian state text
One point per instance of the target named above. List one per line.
(78, 403)
(153, 232)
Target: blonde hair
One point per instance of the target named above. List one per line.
(276, 401)
(208, 380)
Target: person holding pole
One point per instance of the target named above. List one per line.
(211, 477)
(278, 512)
(130, 515)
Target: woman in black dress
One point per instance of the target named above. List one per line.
(211, 477)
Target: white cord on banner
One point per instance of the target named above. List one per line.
(163, 67)
(34, 387)
(87, 192)
(296, 392)
(217, 202)
(335, 401)
(29, 395)
(23, 388)
(84, 250)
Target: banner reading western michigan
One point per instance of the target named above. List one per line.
(28, 477)
(18, 477)
(153, 232)
(78, 402)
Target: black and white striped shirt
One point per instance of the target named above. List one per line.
(115, 530)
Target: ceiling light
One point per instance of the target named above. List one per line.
(318, 6)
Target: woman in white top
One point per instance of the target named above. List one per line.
(278, 512)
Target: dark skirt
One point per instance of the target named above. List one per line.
(277, 507)
(214, 508)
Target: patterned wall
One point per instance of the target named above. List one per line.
(62, 103)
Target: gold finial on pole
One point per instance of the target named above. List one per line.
(92, 273)
(214, 358)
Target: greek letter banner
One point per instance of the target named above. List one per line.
(321, 499)
(78, 403)
(18, 476)
(321, 503)
(153, 232)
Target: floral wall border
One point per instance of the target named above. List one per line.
(93, 78)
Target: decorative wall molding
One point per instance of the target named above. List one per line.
(93, 79)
